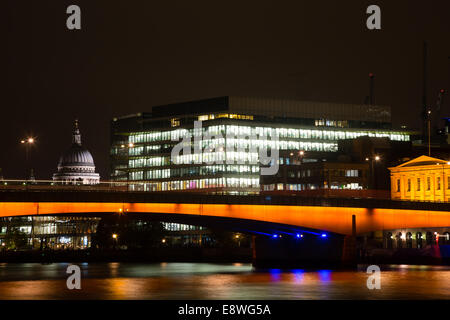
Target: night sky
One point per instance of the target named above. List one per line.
(130, 55)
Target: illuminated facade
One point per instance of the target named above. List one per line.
(142, 143)
(421, 179)
(72, 232)
(50, 231)
(299, 174)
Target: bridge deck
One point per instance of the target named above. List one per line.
(194, 198)
(329, 214)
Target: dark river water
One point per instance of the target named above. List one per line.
(217, 281)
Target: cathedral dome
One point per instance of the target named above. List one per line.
(76, 165)
(76, 155)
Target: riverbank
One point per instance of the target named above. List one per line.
(222, 255)
(432, 255)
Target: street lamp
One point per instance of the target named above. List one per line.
(128, 147)
(429, 131)
(238, 240)
(301, 153)
(373, 159)
(27, 142)
(114, 236)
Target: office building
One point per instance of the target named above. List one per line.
(141, 144)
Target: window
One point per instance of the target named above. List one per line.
(351, 173)
(409, 185)
(203, 117)
(418, 184)
(438, 183)
(428, 183)
(448, 182)
(398, 185)
(175, 122)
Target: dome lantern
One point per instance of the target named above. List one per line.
(76, 138)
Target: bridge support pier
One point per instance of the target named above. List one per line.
(289, 251)
(349, 247)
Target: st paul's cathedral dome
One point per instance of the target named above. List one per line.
(76, 165)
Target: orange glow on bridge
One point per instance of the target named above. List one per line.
(332, 219)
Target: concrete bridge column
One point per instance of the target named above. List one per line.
(288, 251)
(349, 247)
(305, 250)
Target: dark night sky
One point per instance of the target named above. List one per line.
(130, 55)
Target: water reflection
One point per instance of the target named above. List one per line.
(324, 275)
(298, 275)
(275, 274)
(217, 281)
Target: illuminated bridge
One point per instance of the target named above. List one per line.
(261, 215)
(325, 214)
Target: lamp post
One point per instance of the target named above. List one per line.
(301, 154)
(27, 142)
(238, 238)
(372, 160)
(127, 148)
(114, 236)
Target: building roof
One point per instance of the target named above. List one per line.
(421, 161)
(76, 155)
(276, 107)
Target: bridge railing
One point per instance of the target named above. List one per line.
(373, 198)
(49, 185)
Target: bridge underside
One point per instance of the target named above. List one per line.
(251, 218)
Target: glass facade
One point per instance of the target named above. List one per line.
(61, 232)
(144, 157)
(51, 231)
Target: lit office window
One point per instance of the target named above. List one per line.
(175, 122)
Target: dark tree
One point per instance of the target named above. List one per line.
(133, 233)
(16, 240)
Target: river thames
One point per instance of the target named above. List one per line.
(217, 281)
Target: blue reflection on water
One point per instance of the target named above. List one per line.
(325, 275)
(298, 274)
(275, 274)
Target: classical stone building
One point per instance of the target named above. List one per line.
(421, 179)
(76, 165)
